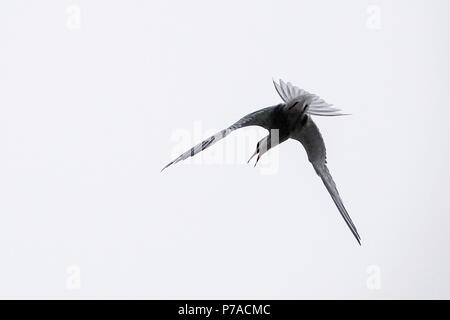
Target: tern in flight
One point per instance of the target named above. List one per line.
(289, 120)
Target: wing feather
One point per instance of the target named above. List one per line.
(311, 139)
(260, 118)
(278, 88)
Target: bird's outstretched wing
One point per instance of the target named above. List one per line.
(262, 118)
(311, 139)
(316, 106)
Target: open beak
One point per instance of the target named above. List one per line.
(257, 159)
(256, 152)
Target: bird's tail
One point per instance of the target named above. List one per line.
(325, 111)
(316, 105)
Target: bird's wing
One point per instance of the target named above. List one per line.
(311, 139)
(316, 105)
(260, 118)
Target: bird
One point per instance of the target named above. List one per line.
(290, 119)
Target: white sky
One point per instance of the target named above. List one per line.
(93, 105)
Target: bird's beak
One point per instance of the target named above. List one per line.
(257, 159)
(256, 152)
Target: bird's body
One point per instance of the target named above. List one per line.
(289, 120)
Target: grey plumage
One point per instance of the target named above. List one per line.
(293, 120)
(311, 139)
(258, 118)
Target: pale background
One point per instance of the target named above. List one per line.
(94, 93)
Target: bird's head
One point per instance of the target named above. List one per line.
(264, 145)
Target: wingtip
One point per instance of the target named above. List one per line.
(329, 114)
(356, 235)
(165, 167)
